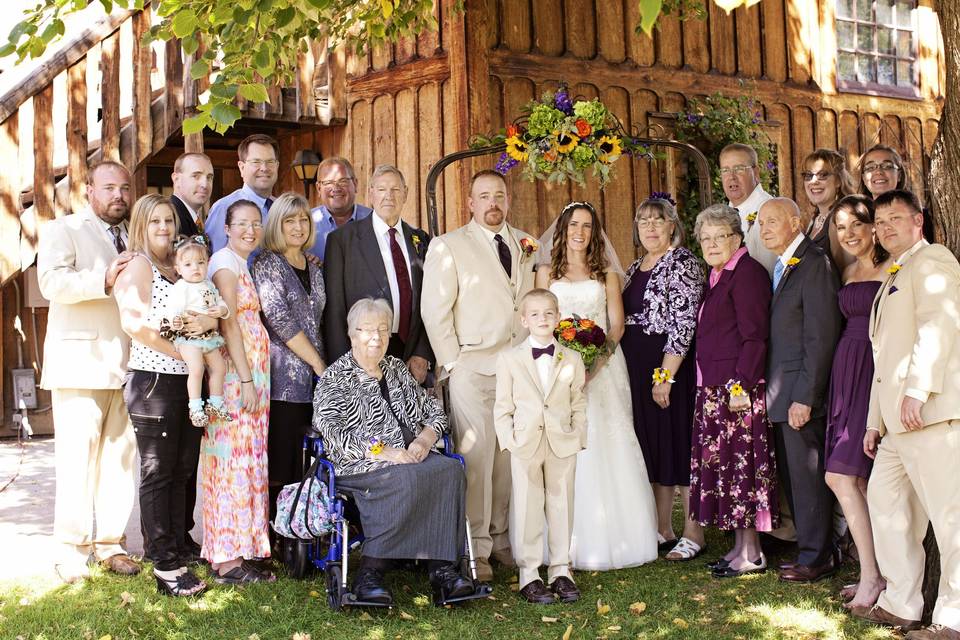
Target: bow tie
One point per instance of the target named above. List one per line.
(546, 351)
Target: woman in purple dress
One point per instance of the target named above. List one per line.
(847, 466)
(732, 467)
(660, 300)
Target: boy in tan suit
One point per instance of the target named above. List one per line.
(540, 417)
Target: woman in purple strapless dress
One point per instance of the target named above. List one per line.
(848, 468)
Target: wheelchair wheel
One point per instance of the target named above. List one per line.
(299, 555)
(334, 585)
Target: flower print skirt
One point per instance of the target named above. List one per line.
(733, 469)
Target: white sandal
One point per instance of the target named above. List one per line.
(685, 551)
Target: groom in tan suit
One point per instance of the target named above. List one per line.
(915, 409)
(473, 278)
(85, 361)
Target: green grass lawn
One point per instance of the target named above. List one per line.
(679, 600)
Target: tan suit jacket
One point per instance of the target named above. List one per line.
(469, 306)
(914, 329)
(85, 347)
(525, 413)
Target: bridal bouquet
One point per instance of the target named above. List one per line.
(583, 336)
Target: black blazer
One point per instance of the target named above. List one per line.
(353, 269)
(804, 329)
(187, 226)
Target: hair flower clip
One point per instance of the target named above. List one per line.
(662, 195)
(893, 269)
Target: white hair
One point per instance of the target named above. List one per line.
(365, 308)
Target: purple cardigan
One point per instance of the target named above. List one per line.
(734, 326)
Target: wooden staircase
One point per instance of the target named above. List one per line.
(103, 95)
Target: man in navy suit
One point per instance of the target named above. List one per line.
(379, 256)
(804, 329)
(192, 187)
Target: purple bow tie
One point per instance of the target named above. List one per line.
(537, 352)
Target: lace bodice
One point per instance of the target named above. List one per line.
(586, 298)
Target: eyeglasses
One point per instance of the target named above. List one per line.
(256, 226)
(808, 176)
(645, 223)
(381, 331)
(716, 240)
(259, 164)
(738, 170)
(873, 167)
(343, 183)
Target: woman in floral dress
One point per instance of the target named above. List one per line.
(732, 469)
(234, 454)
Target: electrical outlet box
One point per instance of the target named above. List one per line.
(24, 389)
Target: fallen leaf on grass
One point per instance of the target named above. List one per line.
(126, 598)
(515, 587)
(614, 627)
(106, 637)
(172, 616)
(406, 616)
(638, 607)
(314, 594)
(499, 617)
(602, 609)
(267, 609)
(253, 636)
(421, 601)
(548, 619)
(514, 579)
(680, 623)
(300, 636)
(568, 632)
(491, 597)
(366, 616)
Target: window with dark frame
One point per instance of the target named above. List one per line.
(876, 46)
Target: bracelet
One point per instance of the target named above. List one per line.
(376, 447)
(735, 388)
(246, 381)
(662, 375)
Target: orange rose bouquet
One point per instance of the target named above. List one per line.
(583, 336)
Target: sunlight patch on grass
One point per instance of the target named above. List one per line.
(793, 621)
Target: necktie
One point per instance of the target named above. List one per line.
(777, 273)
(117, 240)
(403, 286)
(267, 204)
(537, 352)
(504, 251)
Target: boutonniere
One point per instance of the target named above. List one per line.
(792, 262)
(559, 355)
(893, 269)
(415, 239)
(528, 246)
(751, 217)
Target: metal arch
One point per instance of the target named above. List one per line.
(700, 162)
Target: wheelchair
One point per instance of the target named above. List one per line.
(329, 553)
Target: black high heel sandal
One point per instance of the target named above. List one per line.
(184, 585)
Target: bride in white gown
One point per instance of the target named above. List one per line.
(614, 515)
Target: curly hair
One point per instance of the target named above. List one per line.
(596, 250)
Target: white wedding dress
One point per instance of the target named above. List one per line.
(614, 514)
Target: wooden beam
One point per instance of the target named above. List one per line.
(43, 172)
(337, 106)
(77, 133)
(9, 200)
(412, 74)
(306, 67)
(35, 80)
(110, 97)
(142, 93)
(173, 77)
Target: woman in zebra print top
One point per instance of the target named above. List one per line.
(379, 428)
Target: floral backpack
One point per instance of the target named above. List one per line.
(303, 508)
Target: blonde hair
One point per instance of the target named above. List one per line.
(140, 219)
(286, 206)
(539, 294)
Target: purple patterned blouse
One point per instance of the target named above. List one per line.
(671, 299)
(287, 310)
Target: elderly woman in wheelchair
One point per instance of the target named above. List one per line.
(379, 428)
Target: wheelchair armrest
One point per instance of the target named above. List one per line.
(447, 449)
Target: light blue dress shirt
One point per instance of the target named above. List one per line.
(324, 224)
(213, 227)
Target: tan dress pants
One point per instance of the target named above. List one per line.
(95, 458)
(916, 480)
(542, 487)
(488, 469)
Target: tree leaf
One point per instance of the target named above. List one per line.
(223, 91)
(253, 92)
(20, 29)
(225, 114)
(199, 69)
(195, 124)
(320, 4)
(649, 12)
(7, 49)
(386, 8)
(283, 17)
(190, 44)
(184, 23)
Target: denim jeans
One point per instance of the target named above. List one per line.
(169, 447)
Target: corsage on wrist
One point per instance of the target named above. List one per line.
(735, 388)
(661, 375)
(376, 447)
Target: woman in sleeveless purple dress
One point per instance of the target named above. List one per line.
(847, 466)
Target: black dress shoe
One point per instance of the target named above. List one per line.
(719, 563)
(757, 566)
(448, 583)
(537, 593)
(368, 587)
(565, 589)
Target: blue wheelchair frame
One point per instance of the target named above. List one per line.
(302, 554)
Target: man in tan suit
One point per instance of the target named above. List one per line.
(473, 278)
(913, 424)
(85, 361)
(540, 416)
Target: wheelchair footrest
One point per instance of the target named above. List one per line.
(482, 590)
(350, 600)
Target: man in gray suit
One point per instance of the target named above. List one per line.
(804, 328)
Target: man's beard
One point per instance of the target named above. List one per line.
(114, 213)
(494, 216)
